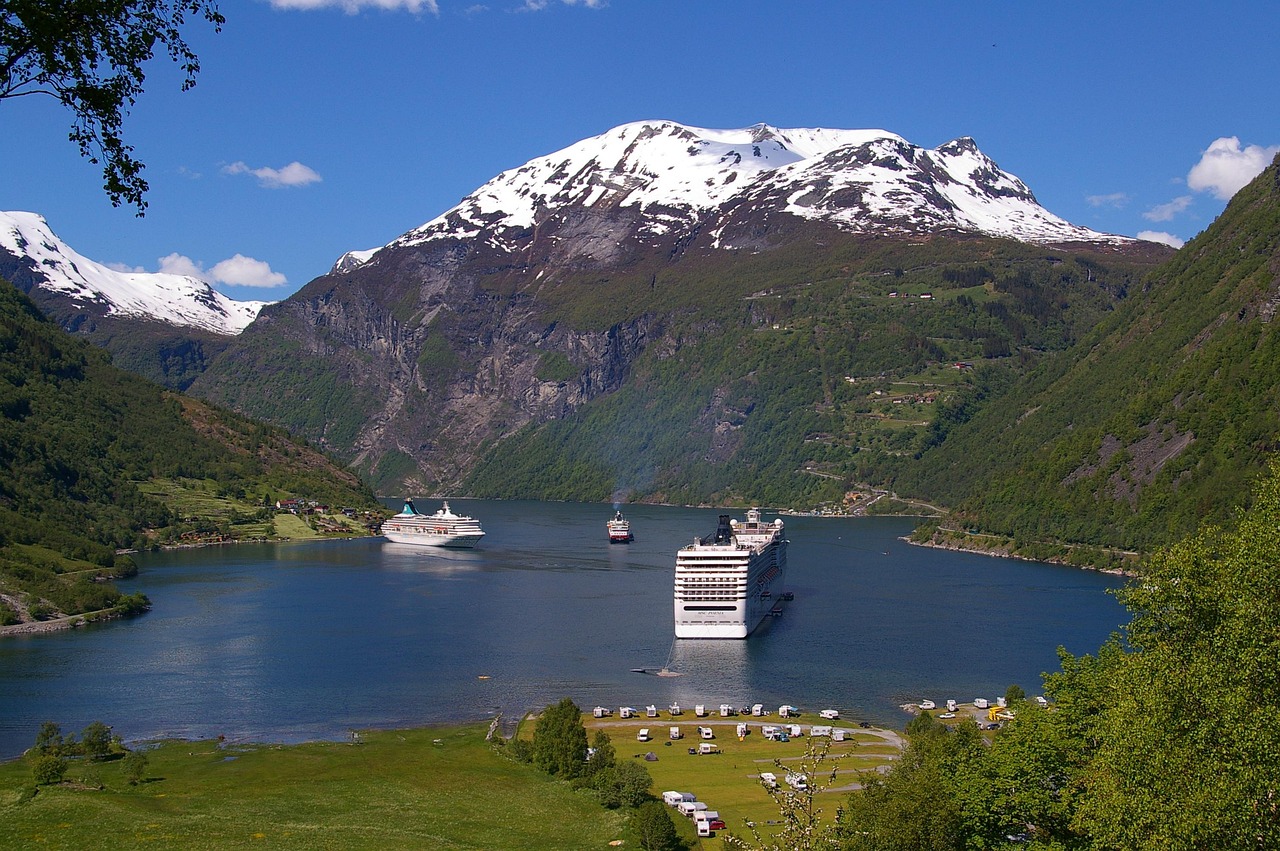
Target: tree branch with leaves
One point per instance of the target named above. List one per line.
(89, 55)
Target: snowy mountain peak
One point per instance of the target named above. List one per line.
(175, 299)
(676, 179)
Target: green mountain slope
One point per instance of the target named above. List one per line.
(788, 377)
(82, 444)
(1161, 417)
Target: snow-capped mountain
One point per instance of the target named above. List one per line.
(176, 299)
(678, 178)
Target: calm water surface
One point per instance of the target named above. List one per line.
(288, 642)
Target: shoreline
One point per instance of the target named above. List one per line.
(1001, 553)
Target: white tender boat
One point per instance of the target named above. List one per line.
(619, 529)
(442, 529)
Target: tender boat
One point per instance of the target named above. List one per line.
(619, 529)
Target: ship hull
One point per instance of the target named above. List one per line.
(419, 539)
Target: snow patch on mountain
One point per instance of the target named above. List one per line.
(677, 177)
(176, 299)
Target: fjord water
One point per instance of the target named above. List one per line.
(295, 641)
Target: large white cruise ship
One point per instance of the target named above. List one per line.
(442, 529)
(725, 583)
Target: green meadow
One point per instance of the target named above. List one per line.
(428, 788)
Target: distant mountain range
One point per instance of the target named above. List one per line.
(163, 326)
(94, 289)
(673, 181)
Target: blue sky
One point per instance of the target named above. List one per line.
(321, 126)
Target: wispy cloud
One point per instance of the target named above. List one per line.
(1161, 237)
(1166, 212)
(353, 6)
(1115, 199)
(539, 5)
(238, 271)
(1225, 167)
(294, 174)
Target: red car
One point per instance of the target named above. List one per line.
(716, 824)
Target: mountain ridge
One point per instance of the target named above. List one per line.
(52, 266)
(675, 176)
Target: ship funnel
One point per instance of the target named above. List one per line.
(724, 531)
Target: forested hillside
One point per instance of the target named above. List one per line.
(81, 443)
(1161, 417)
(789, 377)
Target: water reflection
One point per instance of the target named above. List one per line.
(428, 559)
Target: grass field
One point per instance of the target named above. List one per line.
(431, 788)
(728, 782)
(441, 788)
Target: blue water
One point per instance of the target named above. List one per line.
(289, 642)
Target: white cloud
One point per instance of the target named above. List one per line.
(1166, 212)
(294, 174)
(244, 271)
(1161, 237)
(124, 267)
(1226, 167)
(539, 5)
(239, 271)
(178, 264)
(353, 6)
(1115, 199)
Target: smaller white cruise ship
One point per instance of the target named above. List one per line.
(442, 529)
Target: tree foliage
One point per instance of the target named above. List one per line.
(652, 824)
(560, 741)
(1166, 739)
(96, 740)
(90, 56)
(47, 769)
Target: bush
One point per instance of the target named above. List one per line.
(135, 767)
(48, 769)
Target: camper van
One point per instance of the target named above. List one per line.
(706, 732)
(673, 799)
(675, 733)
(708, 747)
(688, 808)
(643, 735)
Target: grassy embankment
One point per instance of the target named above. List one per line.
(429, 788)
(238, 518)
